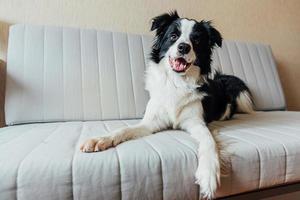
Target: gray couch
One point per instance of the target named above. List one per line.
(66, 84)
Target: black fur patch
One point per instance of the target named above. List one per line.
(204, 38)
(220, 91)
(165, 25)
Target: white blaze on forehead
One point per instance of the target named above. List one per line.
(186, 28)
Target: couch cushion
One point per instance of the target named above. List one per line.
(64, 74)
(254, 64)
(43, 161)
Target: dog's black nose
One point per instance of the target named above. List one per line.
(184, 48)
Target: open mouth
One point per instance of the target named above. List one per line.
(179, 64)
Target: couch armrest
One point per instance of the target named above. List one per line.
(2, 91)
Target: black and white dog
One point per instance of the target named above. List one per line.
(184, 94)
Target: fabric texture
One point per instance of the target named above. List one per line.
(43, 161)
(2, 92)
(68, 74)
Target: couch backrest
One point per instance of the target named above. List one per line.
(253, 63)
(64, 74)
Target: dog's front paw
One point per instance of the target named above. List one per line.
(94, 145)
(208, 181)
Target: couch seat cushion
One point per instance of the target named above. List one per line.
(43, 161)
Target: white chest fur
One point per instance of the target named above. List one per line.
(171, 92)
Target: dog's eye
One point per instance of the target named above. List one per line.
(174, 37)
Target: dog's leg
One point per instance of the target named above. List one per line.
(208, 171)
(116, 137)
(149, 125)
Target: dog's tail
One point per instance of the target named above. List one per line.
(237, 92)
(244, 102)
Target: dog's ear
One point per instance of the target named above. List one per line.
(215, 37)
(160, 22)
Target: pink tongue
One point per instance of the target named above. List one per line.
(178, 66)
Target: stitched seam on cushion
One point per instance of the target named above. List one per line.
(125, 123)
(254, 72)
(73, 158)
(131, 73)
(272, 130)
(231, 174)
(44, 39)
(230, 61)
(258, 154)
(289, 119)
(161, 167)
(283, 133)
(108, 130)
(220, 60)
(192, 150)
(32, 150)
(144, 139)
(117, 88)
(245, 141)
(118, 156)
(99, 72)
(269, 65)
(20, 135)
(264, 73)
(183, 144)
(275, 74)
(63, 74)
(272, 65)
(272, 120)
(291, 128)
(217, 58)
(237, 49)
(145, 66)
(143, 49)
(23, 70)
(81, 73)
(284, 148)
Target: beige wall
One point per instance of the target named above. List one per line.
(275, 22)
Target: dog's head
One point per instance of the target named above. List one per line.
(182, 42)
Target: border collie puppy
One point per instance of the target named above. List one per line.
(184, 94)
